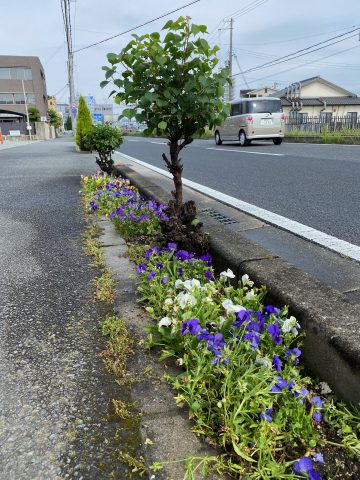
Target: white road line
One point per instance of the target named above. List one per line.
(246, 151)
(328, 241)
(132, 140)
(159, 143)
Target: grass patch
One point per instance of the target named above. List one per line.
(104, 287)
(119, 345)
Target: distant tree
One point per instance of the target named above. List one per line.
(34, 114)
(68, 123)
(104, 139)
(171, 84)
(83, 125)
(55, 117)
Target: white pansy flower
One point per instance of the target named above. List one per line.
(230, 307)
(168, 301)
(245, 280)
(189, 284)
(250, 295)
(290, 325)
(186, 300)
(324, 388)
(228, 274)
(263, 361)
(178, 283)
(165, 322)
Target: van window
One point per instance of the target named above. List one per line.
(263, 106)
(236, 109)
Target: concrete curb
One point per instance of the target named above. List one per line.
(161, 421)
(331, 348)
(317, 139)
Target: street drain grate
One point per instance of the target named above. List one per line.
(218, 216)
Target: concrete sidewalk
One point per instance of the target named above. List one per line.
(11, 144)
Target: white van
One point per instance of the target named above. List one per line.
(258, 118)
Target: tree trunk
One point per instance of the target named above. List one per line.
(175, 168)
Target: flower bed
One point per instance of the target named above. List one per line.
(242, 379)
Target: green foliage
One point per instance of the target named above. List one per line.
(68, 123)
(104, 139)
(132, 214)
(84, 124)
(55, 117)
(171, 84)
(34, 114)
(171, 81)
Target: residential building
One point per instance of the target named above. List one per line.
(19, 74)
(316, 97)
(257, 92)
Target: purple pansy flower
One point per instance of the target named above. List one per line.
(180, 271)
(279, 385)
(242, 317)
(274, 331)
(141, 268)
(296, 352)
(208, 274)
(216, 344)
(151, 274)
(254, 337)
(266, 415)
(318, 457)
(269, 309)
(276, 363)
(191, 326)
(164, 280)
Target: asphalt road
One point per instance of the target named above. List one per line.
(316, 185)
(55, 393)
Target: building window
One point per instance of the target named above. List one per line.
(15, 73)
(6, 98)
(4, 73)
(30, 98)
(19, 98)
(303, 117)
(352, 117)
(325, 117)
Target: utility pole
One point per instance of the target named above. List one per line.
(65, 7)
(231, 57)
(28, 126)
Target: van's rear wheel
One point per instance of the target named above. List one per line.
(277, 141)
(218, 140)
(244, 142)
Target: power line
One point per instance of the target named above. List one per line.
(247, 8)
(294, 39)
(304, 64)
(135, 28)
(293, 55)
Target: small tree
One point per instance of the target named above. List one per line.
(68, 123)
(171, 85)
(34, 114)
(104, 139)
(84, 123)
(55, 117)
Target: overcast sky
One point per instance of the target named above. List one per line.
(274, 28)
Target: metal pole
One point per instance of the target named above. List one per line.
(231, 56)
(27, 112)
(72, 89)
